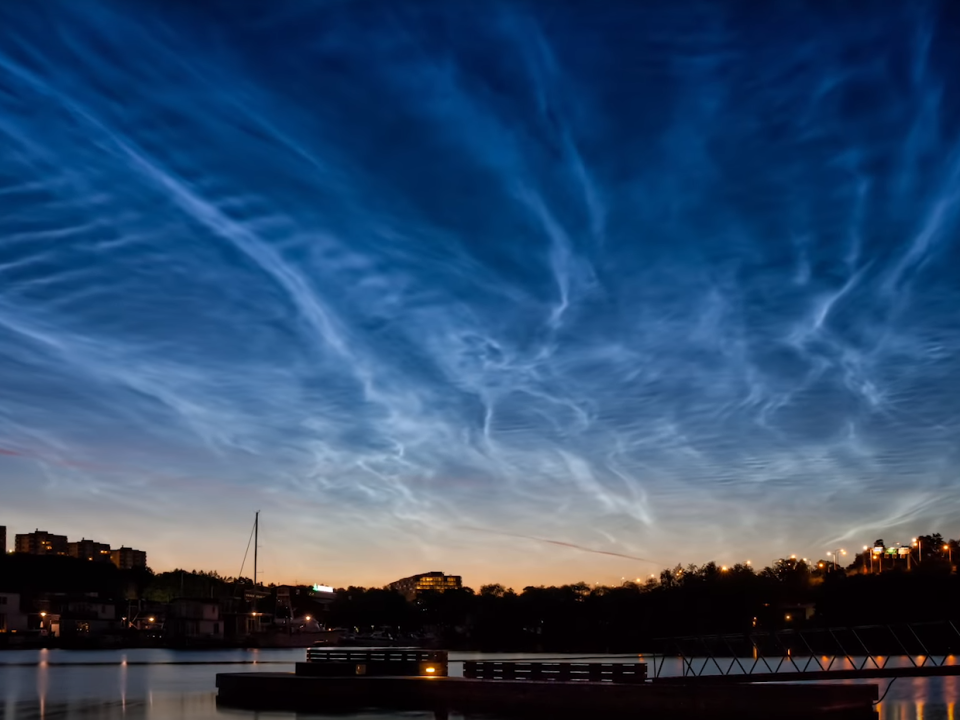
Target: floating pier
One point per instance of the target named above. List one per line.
(344, 680)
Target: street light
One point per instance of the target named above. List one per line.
(836, 554)
(918, 543)
(949, 550)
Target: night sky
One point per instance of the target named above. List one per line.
(450, 286)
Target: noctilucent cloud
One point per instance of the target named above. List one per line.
(479, 288)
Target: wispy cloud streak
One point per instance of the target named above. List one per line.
(657, 276)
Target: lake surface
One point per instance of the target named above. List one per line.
(153, 684)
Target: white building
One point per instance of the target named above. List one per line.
(190, 618)
(11, 618)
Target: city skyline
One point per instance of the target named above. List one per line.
(521, 295)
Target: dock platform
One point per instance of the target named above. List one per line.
(533, 698)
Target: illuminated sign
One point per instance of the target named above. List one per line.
(322, 588)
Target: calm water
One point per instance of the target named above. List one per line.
(154, 684)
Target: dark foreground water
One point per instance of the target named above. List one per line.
(177, 685)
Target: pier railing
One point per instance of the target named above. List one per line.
(400, 662)
(375, 655)
(560, 672)
(868, 651)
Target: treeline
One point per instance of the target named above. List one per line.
(166, 586)
(696, 600)
(37, 574)
(32, 574)
(692, 600)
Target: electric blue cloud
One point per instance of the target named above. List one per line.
(659, 281)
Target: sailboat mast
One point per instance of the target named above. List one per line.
(256, 546)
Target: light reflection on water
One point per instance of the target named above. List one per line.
(143, 684)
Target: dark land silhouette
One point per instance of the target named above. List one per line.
(631, 617)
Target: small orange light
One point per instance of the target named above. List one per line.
(430, 670)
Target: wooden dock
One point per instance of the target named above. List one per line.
(536, 698)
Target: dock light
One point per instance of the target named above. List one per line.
(309, 618)
(151, 619)
(430, 670)
(43, 614)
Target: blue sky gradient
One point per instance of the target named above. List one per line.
(429, 284)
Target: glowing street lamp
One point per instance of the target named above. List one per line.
(949, 549)
(836, 555)
(918, 544)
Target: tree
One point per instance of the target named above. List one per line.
(670, 578)
(494, 590)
